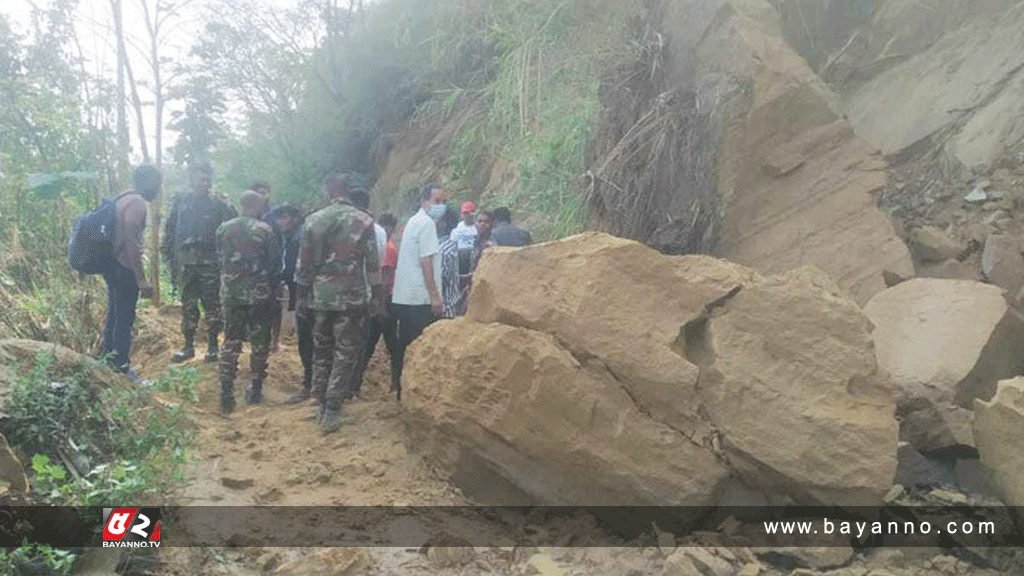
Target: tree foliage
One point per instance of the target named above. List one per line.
(199, 125)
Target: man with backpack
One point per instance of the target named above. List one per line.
(190, 242)
(125, 277)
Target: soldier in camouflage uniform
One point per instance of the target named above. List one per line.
(250, 268)
(189, 244)
(339, 266)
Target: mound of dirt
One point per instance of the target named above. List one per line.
(18, 355)
(622, 376)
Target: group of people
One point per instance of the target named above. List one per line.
(346, 280)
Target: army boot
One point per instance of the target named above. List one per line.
(306, 392)
(332, 420)
(254, 394)
(212, 352)
(227, 398)
(186, 353)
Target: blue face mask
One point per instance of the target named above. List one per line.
(436, 211)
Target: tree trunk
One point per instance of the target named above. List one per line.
(123, 143)
(158, 132)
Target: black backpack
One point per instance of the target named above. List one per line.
(91, 248)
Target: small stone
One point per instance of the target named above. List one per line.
(237, 483)
(892, 277)
(687, 561)
(752, 569)
(976, 196)
(450, 556)
(894, 494)
(816, 557)
(730, 526)
(545, 565)
(887, 558)
(269, 560)
(947, 496)
(944, 564)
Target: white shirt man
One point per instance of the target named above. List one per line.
(416, 298)
(419, 241)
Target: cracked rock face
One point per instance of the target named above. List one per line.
(594, 370)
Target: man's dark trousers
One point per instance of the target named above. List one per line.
(122, 297)
(412, 320)
(304, 319)
(375, 328)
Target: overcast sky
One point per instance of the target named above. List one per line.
(94, 27)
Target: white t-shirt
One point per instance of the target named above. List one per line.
(419, 240)
(382, 241)
(464, 235)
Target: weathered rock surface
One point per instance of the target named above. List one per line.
(939, 426)
(945, 343)
(999, 429)
(796, 183)
(510, 404)
(952, 66)
(622, 374)
(789, 378)
(1002, 263)
(916, 470)
(934, 245)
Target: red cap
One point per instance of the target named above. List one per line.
(468, 207)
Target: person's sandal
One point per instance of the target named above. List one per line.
(186, 353)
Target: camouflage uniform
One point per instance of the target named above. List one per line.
(338, 262)
(250, 268)
(189, 244)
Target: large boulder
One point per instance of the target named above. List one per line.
(492, 401)
(1002, 263)
(789, 378)
(961, 79)
(626, 316)
(945, 343)
(704, 364)
(797, 184)
(999, 429)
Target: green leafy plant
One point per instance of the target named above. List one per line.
(181, 381)
(122, 445)
(36, 559)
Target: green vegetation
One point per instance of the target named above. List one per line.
(35, 559)
(528, 106)
(93, 447)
